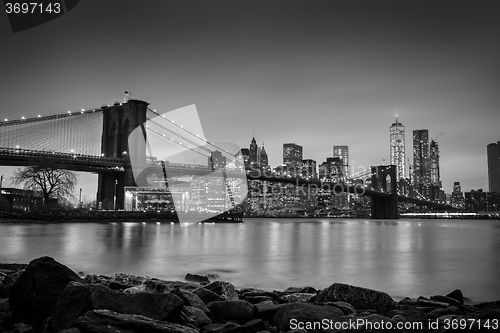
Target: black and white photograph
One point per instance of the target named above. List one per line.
(249, 166)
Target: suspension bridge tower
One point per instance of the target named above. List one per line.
(119, 120)
(384, 179)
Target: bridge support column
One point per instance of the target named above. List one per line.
(119, 121)
(384, 206)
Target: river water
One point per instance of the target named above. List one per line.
(401, 257)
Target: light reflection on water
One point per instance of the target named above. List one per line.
(403, 258)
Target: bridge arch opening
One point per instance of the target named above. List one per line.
(388, 180)
(123, 146)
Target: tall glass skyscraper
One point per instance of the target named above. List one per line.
(292, 155)
(421, 163)
(397, 141)
(343, 153)
(493, 151)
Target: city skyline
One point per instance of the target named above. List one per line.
(318, 75)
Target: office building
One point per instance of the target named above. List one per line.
(342, 152)
(253, 158)
(397, 145)
(263, 160)
(292, 157)
(421, 163)
(493, 151)
(309, 168)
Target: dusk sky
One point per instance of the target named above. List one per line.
(317, 73)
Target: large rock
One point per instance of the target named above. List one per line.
(232, 310)
(293, 313)
(191, 299)
(266, 310)
(207, 296)
(360, 298)
(79, 298)
(457, 295)
(34, 295)
(196, 278)
(197, 315)
(106, 321)
(222, 288)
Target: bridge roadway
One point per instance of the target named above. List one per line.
(100, 164)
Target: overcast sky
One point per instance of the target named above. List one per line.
(317, 73)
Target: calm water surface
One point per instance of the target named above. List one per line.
(403, 257)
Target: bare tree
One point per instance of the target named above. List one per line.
(52, 180)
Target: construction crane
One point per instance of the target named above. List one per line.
(437, 136)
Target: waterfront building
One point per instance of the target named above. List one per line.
(421, 163)
(479, 201)
(292, 157)
(493, 151)
(25, 200)
(457, 197)
(397, 146)
(342, 152)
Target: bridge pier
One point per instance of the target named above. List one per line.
(384, 179)
(119, 121)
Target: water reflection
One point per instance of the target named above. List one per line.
(404, 257)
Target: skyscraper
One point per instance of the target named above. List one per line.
(397, 142)
(253, 158)
(343, 153)
(493, 151)
(434, 164)
(421, 165)
(263, 160)
(292, 157)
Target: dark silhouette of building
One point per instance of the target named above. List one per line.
(421, 163)
(26, 200)
(493, 151)
(479, 201)
(253, 157)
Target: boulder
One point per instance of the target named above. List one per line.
(457, 295)
(79, 298)
(106, 321)
(294, 290)
(122, 281)
(34, 295)
(266, 310)
(360, 298)
(191, 299)
(9, 274)
(232, 310)
(256, 325)
(344, 306)
(297, 297)
(228, 327)
(304, 313)
(197, 315)
(196, 278)
(445, 299)
(222, 288)
(207, 296)
(436, 313)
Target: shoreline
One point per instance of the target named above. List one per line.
(47, 296)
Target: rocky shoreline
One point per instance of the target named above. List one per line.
(46, 296)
